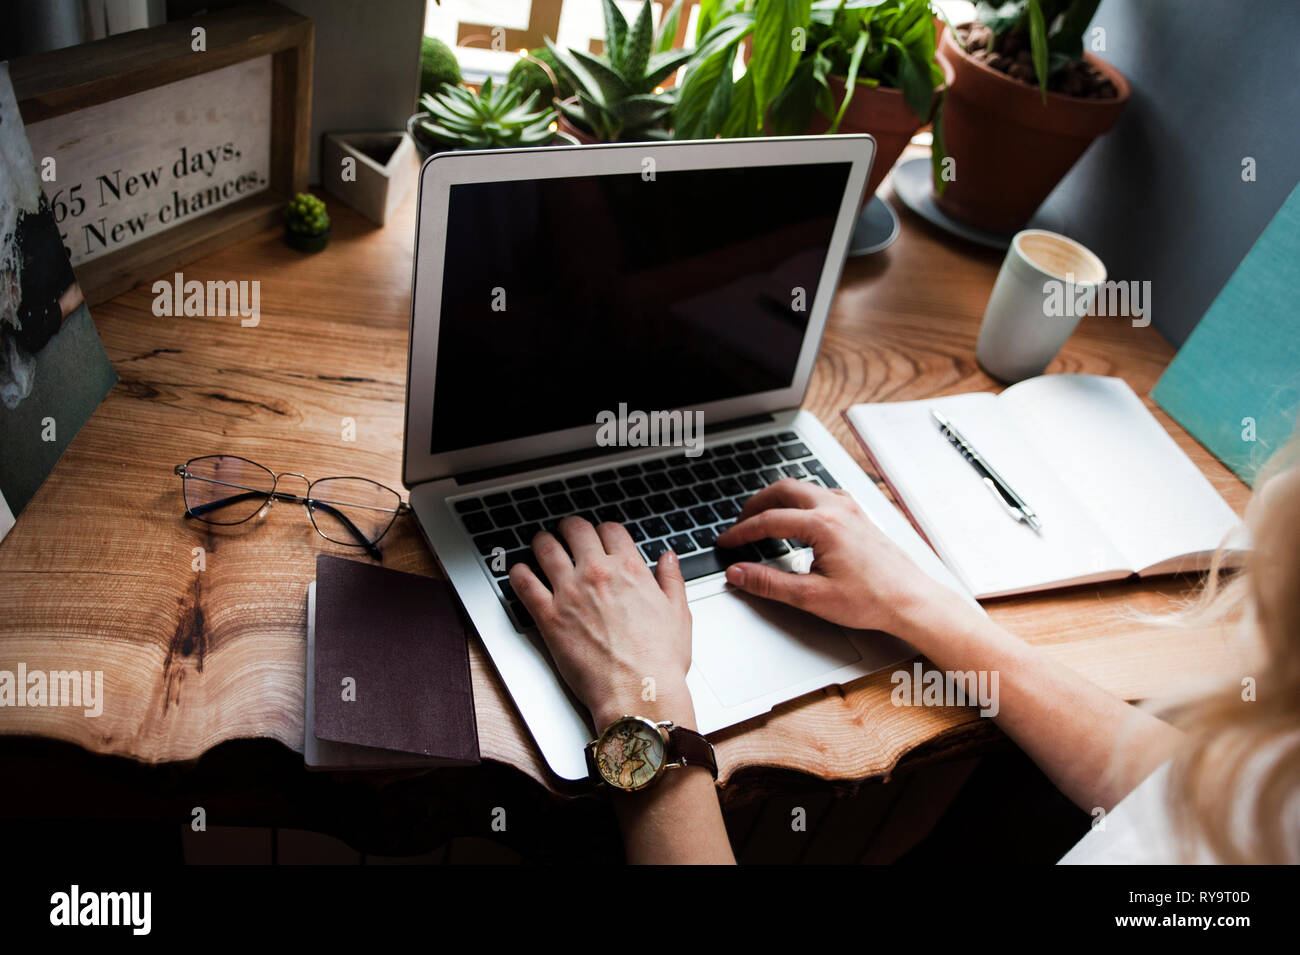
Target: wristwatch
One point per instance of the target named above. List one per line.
(634, 752)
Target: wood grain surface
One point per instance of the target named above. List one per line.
(98, 573)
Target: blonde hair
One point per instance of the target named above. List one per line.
(1232, 785)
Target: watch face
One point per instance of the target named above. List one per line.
(630, 754)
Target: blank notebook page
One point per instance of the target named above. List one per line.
(992, 553)
(1138, 486)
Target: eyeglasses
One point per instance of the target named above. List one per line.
(224, 489)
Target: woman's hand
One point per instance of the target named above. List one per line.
(613, 625)
(859, 578)
(620, 633)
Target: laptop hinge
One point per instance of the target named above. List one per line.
(586, 454)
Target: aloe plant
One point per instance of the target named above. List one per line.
(497, 117)
(619, 95)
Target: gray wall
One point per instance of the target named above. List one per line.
(1160, 196)
(367, 67)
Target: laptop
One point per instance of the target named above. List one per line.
(557, 289)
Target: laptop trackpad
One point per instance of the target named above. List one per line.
(746, 647)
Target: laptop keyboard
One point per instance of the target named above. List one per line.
(669, 503)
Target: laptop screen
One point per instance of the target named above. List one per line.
(565, 297)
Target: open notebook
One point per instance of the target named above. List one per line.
(1115, 494)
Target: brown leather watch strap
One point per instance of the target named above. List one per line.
(691, 749)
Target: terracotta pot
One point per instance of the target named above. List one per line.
(885, 115)
(1009, 148)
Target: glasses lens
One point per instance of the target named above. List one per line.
(352, 510)
(225, 490)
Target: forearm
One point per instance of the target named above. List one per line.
(1095, 747)
(677, 820)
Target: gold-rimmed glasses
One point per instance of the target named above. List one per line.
(225, 489)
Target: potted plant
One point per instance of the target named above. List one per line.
(1024, 104)
(619, 96)
(496, 117)
(306, 223)
(868, 67)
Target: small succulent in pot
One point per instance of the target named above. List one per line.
(497, 117)
(306, 223)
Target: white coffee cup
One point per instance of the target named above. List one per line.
(1046, 284)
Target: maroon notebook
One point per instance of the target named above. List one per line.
(391, 663)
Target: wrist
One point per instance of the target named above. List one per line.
(674, 705)
(922, 619)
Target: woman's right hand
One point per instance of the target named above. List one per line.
(859, 578)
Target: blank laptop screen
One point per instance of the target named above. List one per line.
(564, 297)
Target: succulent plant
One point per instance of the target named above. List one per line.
(306, 223)
(618, 93)
(306, 215)
(498, 117)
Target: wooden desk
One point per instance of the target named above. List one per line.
(98, 572)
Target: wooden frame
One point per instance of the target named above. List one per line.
(64, 81)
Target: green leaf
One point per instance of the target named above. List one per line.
(714, 58)
(792, 110)
(937, 150)
(1068, 38)
(579, 78)
(918, 90)
(636, 112)
(774, 57)
(611, 84)
(636, 50)
(664, 65)
(668, 28)
(705, 98)
(742, 118)
(711, 13)
(1038, 44)
(574, 115)
(615, 33)
(598, 119)
(850, 79)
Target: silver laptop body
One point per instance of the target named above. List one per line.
(681, 269)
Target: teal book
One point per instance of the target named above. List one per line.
(1235, 383)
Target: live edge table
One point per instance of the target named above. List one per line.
(100, 571)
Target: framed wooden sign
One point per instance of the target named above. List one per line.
(160, 145)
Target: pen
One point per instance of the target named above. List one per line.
(1011, 502)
